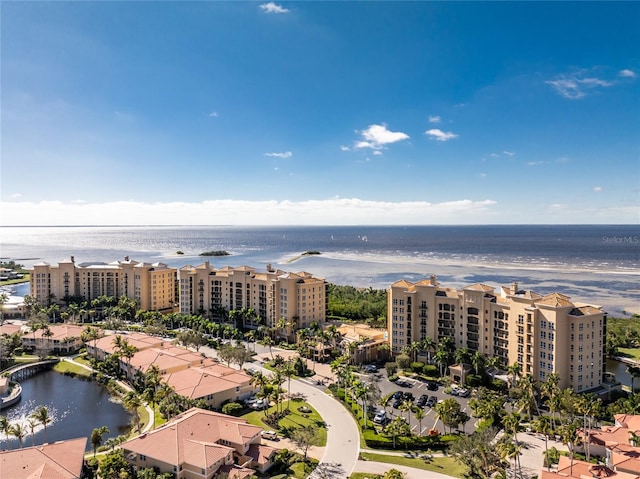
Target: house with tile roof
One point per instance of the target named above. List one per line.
(568, 469)
(57, 460)
(200, 443)
(56, 339)
(618, 444)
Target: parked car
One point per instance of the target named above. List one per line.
(369, 368)
(396, 403)
(271, 435)
(407, 396)
(464, 392)
(397, 395)
(432, 386)
(422, 400)
(432, 401)
(381, 417)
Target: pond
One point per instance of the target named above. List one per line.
(77, 407)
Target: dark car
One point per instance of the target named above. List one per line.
(397, 402)
(397, 395)
(407, 396)
(432, 386)
(422, 400)
(432, 401)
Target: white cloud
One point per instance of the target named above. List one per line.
(574, 86)
(214, 114)
(535, 163)
(509, 153)
(627, 73)
(344, 148)
(377, 136)
(434, 119)
(334, 211)
(284, 154)
(597, 189)
(273, 8)
(16, 195)
(440, 135)
(377, 153)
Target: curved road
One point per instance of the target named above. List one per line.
(343, 439)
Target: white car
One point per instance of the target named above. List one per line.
(270, 435)
(381, 417)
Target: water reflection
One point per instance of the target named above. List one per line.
(75, 406)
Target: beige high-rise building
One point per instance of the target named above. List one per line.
(543, 334)
(152, 285)
(299, 298)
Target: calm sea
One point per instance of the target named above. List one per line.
(576, 260)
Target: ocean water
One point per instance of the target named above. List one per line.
(598, 264)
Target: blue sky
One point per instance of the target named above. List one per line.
(320, 112)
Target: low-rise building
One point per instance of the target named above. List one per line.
(57, 460)
(364, 344)
(618, 444)
(54, 339)
(199, 444)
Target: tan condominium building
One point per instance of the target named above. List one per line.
(152, 285)
(543, 334)
(299, 298)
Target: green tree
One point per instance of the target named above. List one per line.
(19, 431)
(397, 427)
(132, 402)
(304, 438)
(450, 413)
(479, 452)
(96, 437)
(41, 414)
(115, 466)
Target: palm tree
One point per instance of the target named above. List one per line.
(429, 345)
(42, 416)
(96, 437)
(132, 402)
(477, 361)
(5, 426)
(32, 423)
(513, 372)
(569, 436)
(542, 425)
(418, 413)
(19, 431)
(405, 405)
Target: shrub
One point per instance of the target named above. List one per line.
(391, 368)
(403, 360)
(473, 380)
(430, 370)
(232, 409)
(417, 367)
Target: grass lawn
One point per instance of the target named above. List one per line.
(82, 360)
(293, 420)
(364, 475)
(633, 353)
(443, 465)
(159, 420)
(66, 367)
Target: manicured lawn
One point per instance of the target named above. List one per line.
(633, 353)
(443, 465)
(364, 475)
(293, 420)
(66, 367)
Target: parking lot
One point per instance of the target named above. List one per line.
(417, 389)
